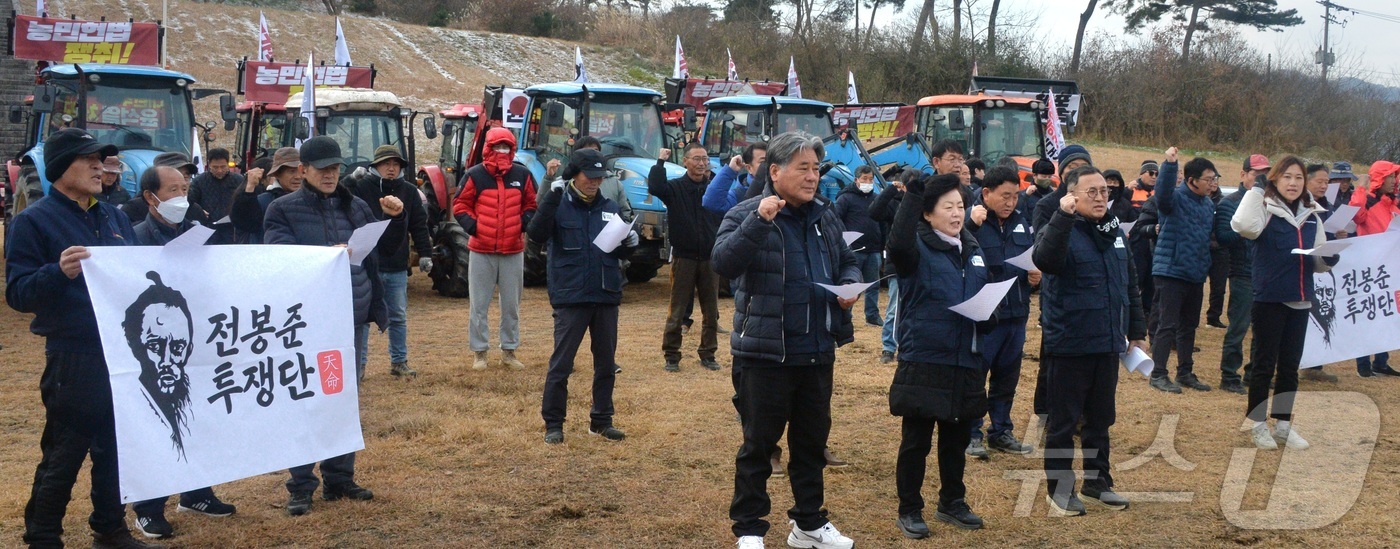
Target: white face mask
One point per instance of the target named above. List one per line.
(502, 150)
(865, 187)
(174, 210)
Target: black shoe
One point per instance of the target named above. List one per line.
(1165, 385)
(721, 330)
(1232, 386)
(554, 436)
(1105, 497)
(608, 433)
(1195, 349)
(977, 450)
(673, 366)
(299, 504)
(1385, 370)
(710, 364)
(1215, 323)
(913, 526)
(958, 514)
(1364, 372)
(617, 369)
(880, 323)
(1189, 381)
(1066, 505)
(886, 357)
(1006, 442)
(121, 539)
(154, 527)
(210, 507)
(349, 490)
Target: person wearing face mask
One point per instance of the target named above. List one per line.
(1180, 265)
(494, 207)
(136, 208)
(1042, 176)
(112, 191)
(853, 207)
(1378, 207)
(1280, 217)
(1119, 205)
(250, 206)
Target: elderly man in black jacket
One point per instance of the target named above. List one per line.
(1090, 309)
(786, 331)
(690, 228)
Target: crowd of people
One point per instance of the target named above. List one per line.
(761, 227)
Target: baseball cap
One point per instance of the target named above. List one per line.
(1258, 162)
(588, 161)
(1341, 170)
(285, 157)
(321, 152)
(66, 145)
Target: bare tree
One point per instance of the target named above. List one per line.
(992, 29)
(332, 6)
(1079, 36)
(926, 20)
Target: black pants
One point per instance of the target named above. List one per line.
(1038, 403)
(691, 279)
(1219, 278)
(600, 321)
(1279, 333)
(1080, 388)
(774, 397)
(1178, 311)
(78, 422)
(156, 507)
(916, 440)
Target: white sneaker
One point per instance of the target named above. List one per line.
(750, 542)
(1290, 438)
(826, 537)
(1263, 438)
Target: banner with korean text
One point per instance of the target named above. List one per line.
(1354, 306)
(226, 362)
(876, 122)
(75, 41)
(274, 82)
(697, 91)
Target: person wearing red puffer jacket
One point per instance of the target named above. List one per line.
(494, 207)
(1378, 207)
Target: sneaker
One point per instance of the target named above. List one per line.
(299, 504)
(1215, 323)
(1316, 374)
(1191, 382)
(508, 360)
(776, 462)
(1065, 505)
(977, 450)
(480, 362)
(1263, 439)
(1289, 438)
(1364, 372)
(1165, 385)
(608, 433)
(121, 539)
(210, 507)
(154, 527)
(750, 542)
(673, 366)
(1006, 442)
(1104, 496)
(617, 369)
(1232, 386)
(349, 490)
(1386, 370)
(832, 461)
(959, 514)
(554, 436)
(401, 369)
(710, 364)
(826, 537)
(913, 526)
(886, 357)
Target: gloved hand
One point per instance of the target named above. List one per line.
(425, 264)
(557, 185)
(632, 239)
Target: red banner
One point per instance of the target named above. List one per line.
(876, 121)
(74, 41)
(271, 82)
(698, 91)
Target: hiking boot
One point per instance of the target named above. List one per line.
(1165, 385)
(1232, 386)
(554, 436)
(959, 514)
(508, 360)
(121, 539)
(749, 542)
(710, 364)
(1384, 370)
(832, 461)
(1104, 496)
(776, 462)
(154, 527)
(1190, 381)
(977, 450)
(826, 537)
(1288, 436)
(1263, 439)
(210, 506)
(913, 526)
(480, 362)
(673, 365)
(1316, 374)
(1006, 442)
(401, 369)
(1215, 323)
(886, 357)
(1065, 505)
(349, 490)
(1364, 372)
(299, 504)
(608, 433)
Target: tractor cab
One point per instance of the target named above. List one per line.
(360, 120)
(261, 130)
(987, 126)
(733, 123)
(459, 125)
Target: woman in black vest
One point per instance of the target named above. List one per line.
(1279, 217)
(938, 382)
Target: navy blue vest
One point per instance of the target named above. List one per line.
(1085, 309)
(1281, 276)
(997, 247)
(579, 272)
(926, 330)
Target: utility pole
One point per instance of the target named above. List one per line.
(1324, 56)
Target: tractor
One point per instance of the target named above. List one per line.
(438, 183)
(987, 126)
(262, 118)
(360, 120)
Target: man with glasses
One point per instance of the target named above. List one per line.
(1180, 264)
(692, 231)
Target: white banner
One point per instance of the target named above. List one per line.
(1355, 313)
(226, 362)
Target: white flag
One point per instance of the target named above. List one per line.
(196, 155)
(679, 69)
(733, 72)
(851, 97)
(342, 50)
(580, 74)
(264, 39)
(794, 85)
(1054, 140)
(40, 8)
(308, 97)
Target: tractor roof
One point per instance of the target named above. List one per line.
(571, 88)
(351, 99)
(952, 100)
(462, 110)
(740, 101)
(102, 68)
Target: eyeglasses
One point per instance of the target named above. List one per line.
(1097, 192)
(1211, 179)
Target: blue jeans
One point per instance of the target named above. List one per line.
(1381, 360)
(870, 271)
(891, 311)
(361, 350)
(396, 299)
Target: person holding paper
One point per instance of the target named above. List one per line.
(1241, 299)
(1003, 233)
(324, 213)
(1342, 176)
(779, 246)
(1378, 206)
(585, 289)
(853, 207)
(1278, 218)
(1090, 310)
(939, 381)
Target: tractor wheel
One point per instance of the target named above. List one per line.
(536, 264)
(641, 272)
(450, 260)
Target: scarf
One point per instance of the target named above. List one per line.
(579, 194)
(1104, 231)
(951, 240)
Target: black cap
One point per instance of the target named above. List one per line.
(588, 161)
(66, 145)
(1043, 167)
(321, 152)
(175, 160)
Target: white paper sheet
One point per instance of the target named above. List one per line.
(193, 237)
(982, 305)
(1340, 218)
(612, 234)
(1135, 360)
(1332, 190)
(226, 219)
(364, 239)
(1024, 261)
(848, 291)
(1127, 227)
(1329, 248)
(851, 236)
